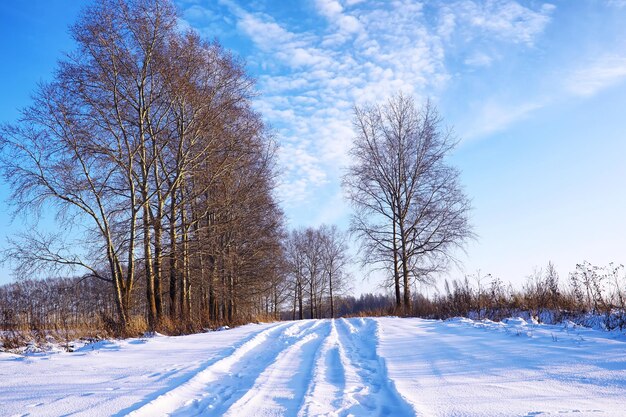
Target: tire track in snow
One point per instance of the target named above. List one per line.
(190, 373)
(325, 394)
(281, 388)
(368, 389)
(222, 380)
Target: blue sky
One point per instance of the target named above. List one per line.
(534, 90)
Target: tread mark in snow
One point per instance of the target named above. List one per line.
(325, 393)
(372, 392)
(280, 389)
(223, 378)
(179, 381)
(322, 367)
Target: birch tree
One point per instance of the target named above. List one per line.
(335, 262)
(410, 211)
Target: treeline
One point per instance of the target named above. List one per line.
(59, 309)
(316, 263)
(66, 308)
(147, 150)
(366, 305)
(55, 304)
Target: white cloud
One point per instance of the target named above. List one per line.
(311, 77)
(343, 26)
(447, 23)
(265, 34)
(506, 18)
(597, 75)
(329, 8)
(616, 3)
(197, 12)
(334, 12)
(396, 53)
(495, 116)
(294, 50)
(478, 59)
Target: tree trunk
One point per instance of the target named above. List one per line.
(212, 280)
(300, 306)
(118, 287)
(158, 254)
(332, 304)
(173, 256)
(312, 298)
(147, 246)
(396, 272)
(405, 273)
(184, 273)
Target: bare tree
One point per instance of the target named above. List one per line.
(312, 250)
(335, 261)
(295, 261)
(410, 209)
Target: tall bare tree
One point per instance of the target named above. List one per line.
(295, 260)
(334, 261)
(410, 209)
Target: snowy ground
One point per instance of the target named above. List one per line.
(358, 367)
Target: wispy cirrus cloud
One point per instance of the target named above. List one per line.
(479, 59)
(596, 75)
(311, 75)
(616, 3)
(581, 81)
(494, 115)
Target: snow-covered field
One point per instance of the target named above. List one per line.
(358, 367)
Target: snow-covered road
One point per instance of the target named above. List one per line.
(353, 367)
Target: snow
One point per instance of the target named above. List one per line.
(516, 368)
(346, 367)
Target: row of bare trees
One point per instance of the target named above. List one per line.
(317, 270)
(60, 309)
(592, 295)
(59, 304)
(146, 150)
(146, 145)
